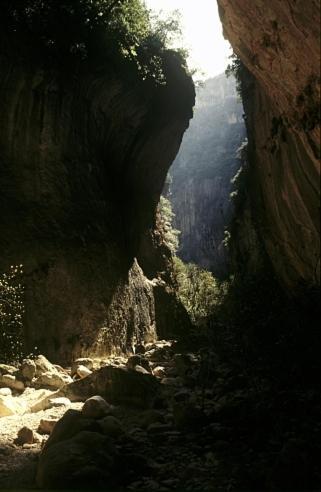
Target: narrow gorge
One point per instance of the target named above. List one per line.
(149, 342)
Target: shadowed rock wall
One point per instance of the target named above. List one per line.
(279, 43)
(83, 158)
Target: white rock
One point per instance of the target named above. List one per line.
(9, 381)
(35, 398)
(83, 371)
(6, 369)
(11, 406)
(54, 380)
(83, 361)
(5, 392)
(59, 402)
(43, 365)
(159, 372)
(141, 369)
(95, 407)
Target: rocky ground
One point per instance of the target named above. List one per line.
(170, 422)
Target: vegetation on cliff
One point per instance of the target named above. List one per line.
(96, 31)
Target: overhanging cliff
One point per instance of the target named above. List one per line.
(84, 155)
(279, 43)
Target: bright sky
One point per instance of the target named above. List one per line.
(202, 31)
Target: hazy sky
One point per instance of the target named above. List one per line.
(202, 33)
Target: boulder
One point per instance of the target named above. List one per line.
(141, 369)
(25, 436)
(138, 360)
(28, 369)
(116, 385)
(84, 361)
(83, 371)
(59, 402)
(52, 380)
(43, 365)
(7, 369)
(184, 364)
(110, 426)
(36, 399)
(10, 381)
(11, 406)
(5, 392)
(95, 407)
(159, 372)
(46, 426)
(85, 461)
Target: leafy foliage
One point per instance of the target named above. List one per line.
(94, 30)
(198, 290)
(11, 313)
(236, 68)
(170, 234)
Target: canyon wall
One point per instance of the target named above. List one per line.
(202, 172)
(83, 158)
(279, 44)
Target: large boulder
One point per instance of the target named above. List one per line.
(83, 461)
(10, 381)
(76, 455)
(28, 369)
(116, 385)
(52, 380)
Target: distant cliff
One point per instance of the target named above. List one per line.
(202, 173)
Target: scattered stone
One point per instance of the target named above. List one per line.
(25, 436)
(95, 407)
(46, 426)
(52, 380)
(83, 361)
(159, 372)
(10, 381)
(116, 385)
(141, 369)
(138, 360)
(140, 349)
(28, 369)
(184, 363)
(6, 369)
(83, 371)
(172, 381)
(5, 392)
(10, 406)
(111, 426)
(59, 402)
(38, 399)
(43, 365)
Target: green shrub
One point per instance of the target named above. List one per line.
(199, 291)
(11, 315)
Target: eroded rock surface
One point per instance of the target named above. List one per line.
(279, 43)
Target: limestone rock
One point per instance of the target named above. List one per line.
(84, 361)
(141, 369)
(83, 371)
(28, 369)
(25, 436)
(52, 380)
(46, 426)
(37, 400)
(59, 402)
(159, 371)
(10, 381)
(116, 385)
(5, 392)
(95, 407)
(7, 369)
(11, 406)
(138, 360)
(43, 365)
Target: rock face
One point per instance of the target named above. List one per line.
(202, 172)
(83, 158)
(278, 43)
